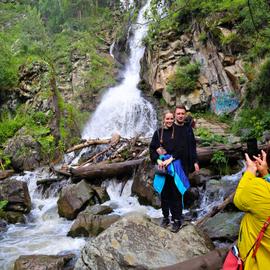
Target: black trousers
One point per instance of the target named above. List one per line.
(171, 199)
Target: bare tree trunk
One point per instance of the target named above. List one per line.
(88, 143)
(103, 171)
(210, 261)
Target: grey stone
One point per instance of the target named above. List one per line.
(134, 242)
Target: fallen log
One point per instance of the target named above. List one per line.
(103, 171)
(205, 154)
(210, 261)
(88, 143)
(234, 151)
(215, 210)
(112, 141)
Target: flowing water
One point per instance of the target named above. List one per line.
(123, 109)
(44, 233)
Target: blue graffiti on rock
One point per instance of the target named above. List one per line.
(224, 102)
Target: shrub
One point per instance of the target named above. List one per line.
(259, 88)
(3, 204)
(208, 138)
(220, 162)
(251, 123)
(185, 78)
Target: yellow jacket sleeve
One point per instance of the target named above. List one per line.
(252, 195)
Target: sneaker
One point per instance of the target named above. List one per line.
(165, 222)
(176, 226)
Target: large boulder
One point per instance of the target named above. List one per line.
(17, 195)
(74, 199)
(24, 150)
(48, 262)
(136, 243)
(223, 226)
(91, 222)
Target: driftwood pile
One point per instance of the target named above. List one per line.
(119, 156)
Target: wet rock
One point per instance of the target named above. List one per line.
(98, 209)
(92, 221)
(201, 177)
(136, 243)
(223, 226)
(48, 262)
(191, 197)
(17, 195)
(101, 194)
(13, 217)
(74, 198)
(142, 185)
(3, 225)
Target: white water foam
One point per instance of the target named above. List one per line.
(44, 233)
(122, 202)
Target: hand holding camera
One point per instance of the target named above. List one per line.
(259, 164)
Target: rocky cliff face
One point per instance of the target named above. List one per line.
(220, 83)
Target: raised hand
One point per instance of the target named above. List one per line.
(251, 165)
(261, 164)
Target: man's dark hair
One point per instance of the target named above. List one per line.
(180, 106)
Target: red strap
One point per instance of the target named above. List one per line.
(260, 236)
(240, 264)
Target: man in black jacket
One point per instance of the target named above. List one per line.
(185, 136)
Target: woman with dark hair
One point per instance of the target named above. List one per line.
(253, 197)
(165, 153)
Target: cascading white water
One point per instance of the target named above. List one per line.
(122, 202)
(123, 109)
(44, 233)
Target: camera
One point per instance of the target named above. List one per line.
(252, 148)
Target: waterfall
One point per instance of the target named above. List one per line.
(123, 109)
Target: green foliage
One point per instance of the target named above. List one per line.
(5, 161)
(203, 37)
(185, 78)
(8, 66)
(259, 89)
(3, 204)
(208, 138)
(9, 126)
(251, 123)
(100, 74)
(184, 60)
(220, 162)
(162, 102)
(47, 146)
(72, 122)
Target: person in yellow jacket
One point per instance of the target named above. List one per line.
(253, 197)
